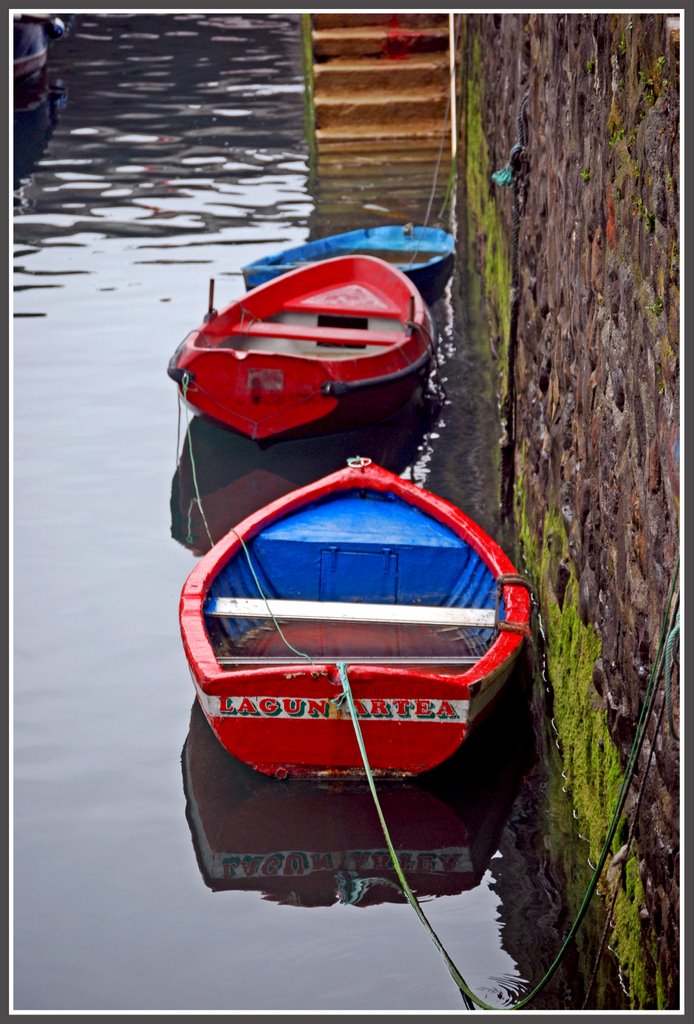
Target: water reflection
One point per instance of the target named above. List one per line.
(181, 155)
(318, 843)
(236, 475)
(37, 103)
(185, 127)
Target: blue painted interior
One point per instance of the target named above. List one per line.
(433, 244)
(360, 546)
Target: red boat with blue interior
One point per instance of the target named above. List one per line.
(331, 346)
(360, 580)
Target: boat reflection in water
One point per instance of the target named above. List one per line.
(316, 843)
(236, 475)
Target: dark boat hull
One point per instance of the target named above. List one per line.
(222, 477)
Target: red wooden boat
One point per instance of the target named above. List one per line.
(359, 573)
(314, 844)
(334, 345)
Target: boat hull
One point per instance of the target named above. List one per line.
(284, 713)
(32, 34)
(424, 254)
(292, 724)
(280, 363)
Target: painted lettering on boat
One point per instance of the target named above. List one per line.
(390, 709)
(292, 863)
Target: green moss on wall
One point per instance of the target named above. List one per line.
(629, 939)
(590, 760)
(641, 63)
(484, 214)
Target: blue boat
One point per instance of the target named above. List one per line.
(424, 254)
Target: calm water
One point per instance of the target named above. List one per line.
(161, 151)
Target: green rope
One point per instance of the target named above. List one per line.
(632, 760)
(185, 380)
(347, 694)
(247, 553)
(669, 644)
(503, 177)
(506, 176)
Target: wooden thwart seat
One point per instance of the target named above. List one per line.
(311, 332)
(339, 611)
(230, 661)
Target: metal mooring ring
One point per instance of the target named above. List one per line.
(358, 462)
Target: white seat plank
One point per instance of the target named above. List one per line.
(228, 661)
(343, 611)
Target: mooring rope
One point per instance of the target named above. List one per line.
(669, 645)
(451, 176)
(185, 380)
(629, 773)
(411, 898)
(198, 501)
(635, 814)
(300, 654)
(470, 998)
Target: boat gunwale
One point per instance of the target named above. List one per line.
(293, 258)
(417, 315)
(192, 366)
(214, 679)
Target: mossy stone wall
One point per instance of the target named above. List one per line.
(597, 402)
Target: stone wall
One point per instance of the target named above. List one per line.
(592, 335)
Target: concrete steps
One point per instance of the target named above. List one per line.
(365, 160)
(374, 75)
(390, 19)
(375, 41)
(381, 110)
(426, 132)
(427, 110)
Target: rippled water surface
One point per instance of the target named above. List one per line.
(158, 152)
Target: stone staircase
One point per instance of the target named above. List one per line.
(381, 111)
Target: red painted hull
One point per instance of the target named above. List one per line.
(284, 718)
(342, 343)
